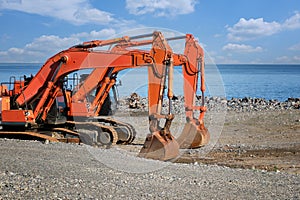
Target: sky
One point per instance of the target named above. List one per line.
(231, 31)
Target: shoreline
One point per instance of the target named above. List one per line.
(245, 104)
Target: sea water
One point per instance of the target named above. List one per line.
(261, 81)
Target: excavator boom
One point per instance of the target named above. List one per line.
(44, 104)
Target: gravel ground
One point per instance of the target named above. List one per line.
(34, 170)
(253, 154)
(251, 133)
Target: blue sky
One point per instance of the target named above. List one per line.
(232, 31)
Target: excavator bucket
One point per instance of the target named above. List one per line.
(160, 147)
(193, 136)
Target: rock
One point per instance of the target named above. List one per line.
(246, 104)
(134, 101)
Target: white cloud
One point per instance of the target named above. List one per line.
(295, 47)
(251, 29)
(293, 22)
(160, 7)
(296, 58)
(16, 51)
(241, 48)
(254, 28)
(93, 35)
(288, 59)
(283, 59)
(46, 43)
(75, 11)
(38, 50)
(45, 46)
(87, 15)
(3, 53)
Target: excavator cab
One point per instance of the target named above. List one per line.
(58, 112)
(110, 104)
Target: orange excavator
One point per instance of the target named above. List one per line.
(54, 106)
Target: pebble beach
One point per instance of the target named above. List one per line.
(38, 170)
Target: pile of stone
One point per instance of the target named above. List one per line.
(258, 104)
(216, 104)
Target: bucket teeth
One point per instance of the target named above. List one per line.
(160, 147)
(193, 136)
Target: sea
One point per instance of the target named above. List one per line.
(280, 81)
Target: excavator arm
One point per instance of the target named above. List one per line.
(34, 100)
(194, 134)
(160, 144)
(65, 63)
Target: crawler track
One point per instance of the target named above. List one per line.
(87, 132)
(116, 123)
